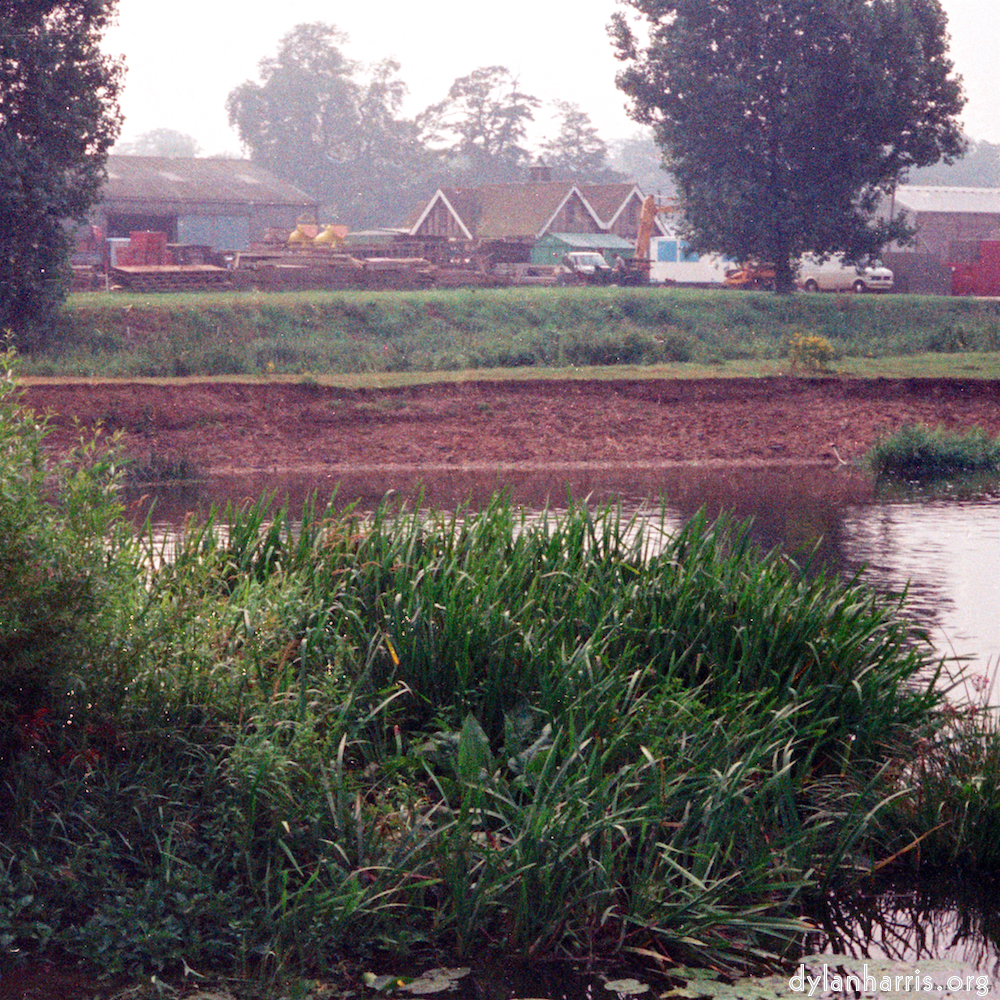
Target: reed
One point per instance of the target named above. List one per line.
(575, 734)
(916, 451)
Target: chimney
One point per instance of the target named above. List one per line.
(539, 173)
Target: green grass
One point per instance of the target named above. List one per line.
(376, 333)
(917, 451)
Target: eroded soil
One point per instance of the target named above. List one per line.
(282, 427)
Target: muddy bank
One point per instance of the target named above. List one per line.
(281, 427)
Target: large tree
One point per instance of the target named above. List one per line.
(481, 125)
(314, 122)
(58, 119)
(785, 121)
(577, 152)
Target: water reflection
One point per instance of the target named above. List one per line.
(913, 923)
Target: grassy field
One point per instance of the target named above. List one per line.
(692, 332)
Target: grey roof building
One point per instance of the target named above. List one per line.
(225, 204)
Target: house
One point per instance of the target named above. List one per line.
(224, 204)
(511, 218)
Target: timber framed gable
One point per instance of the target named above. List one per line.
(440, 218)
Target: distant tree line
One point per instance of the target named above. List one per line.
(336, 129)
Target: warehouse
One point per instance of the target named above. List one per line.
(225, 204)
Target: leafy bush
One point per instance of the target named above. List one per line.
(64, 557)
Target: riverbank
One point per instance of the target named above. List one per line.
(221, 427)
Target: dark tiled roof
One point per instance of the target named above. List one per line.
(187, 180)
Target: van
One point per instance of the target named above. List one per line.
(834, 275)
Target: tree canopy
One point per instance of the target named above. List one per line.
(483, 124)
(58, 118)
(577, 152)
(313, 122)
(783, 122)
(337, 130)
(160, 142)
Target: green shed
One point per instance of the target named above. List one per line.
(551, 247)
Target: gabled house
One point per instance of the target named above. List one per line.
(521, 214)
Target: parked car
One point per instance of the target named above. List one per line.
(834, 275)
(585, 267)
(750, 276)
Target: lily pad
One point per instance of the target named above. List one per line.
(626, 987)
(435, 981)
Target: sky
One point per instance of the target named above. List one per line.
(184, 57)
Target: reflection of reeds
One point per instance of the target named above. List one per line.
(160, 467)
(916, 451)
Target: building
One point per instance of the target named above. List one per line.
(511, 218)
(943, 215)
(224, 204)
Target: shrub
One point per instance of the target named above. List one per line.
(60, 562)
(809, 351)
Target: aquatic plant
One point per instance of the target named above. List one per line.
(916, 451)
(575, 734)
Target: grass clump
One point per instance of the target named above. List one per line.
(916, 451)
(572, 737)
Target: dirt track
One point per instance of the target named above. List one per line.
(224, 427)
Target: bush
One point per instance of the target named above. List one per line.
(60, 562)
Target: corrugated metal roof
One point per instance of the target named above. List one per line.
(187, 180)
(965, 201)
(589, 241)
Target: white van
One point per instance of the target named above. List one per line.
(833, 275)
(672, 262)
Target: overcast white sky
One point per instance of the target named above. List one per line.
(184, 56)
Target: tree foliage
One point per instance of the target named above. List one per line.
(577, 152)
(483, 125)
(160, 142)
(979, 167)
(784, 121)
(58, 119)
(313, 122)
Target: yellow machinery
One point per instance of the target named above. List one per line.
(647, 222)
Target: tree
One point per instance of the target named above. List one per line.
(160, 142)
(784, 122)
(980, 167)
(640, 159)
(59, 118)
(577, 152)
(483, 122)
(312, 122)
